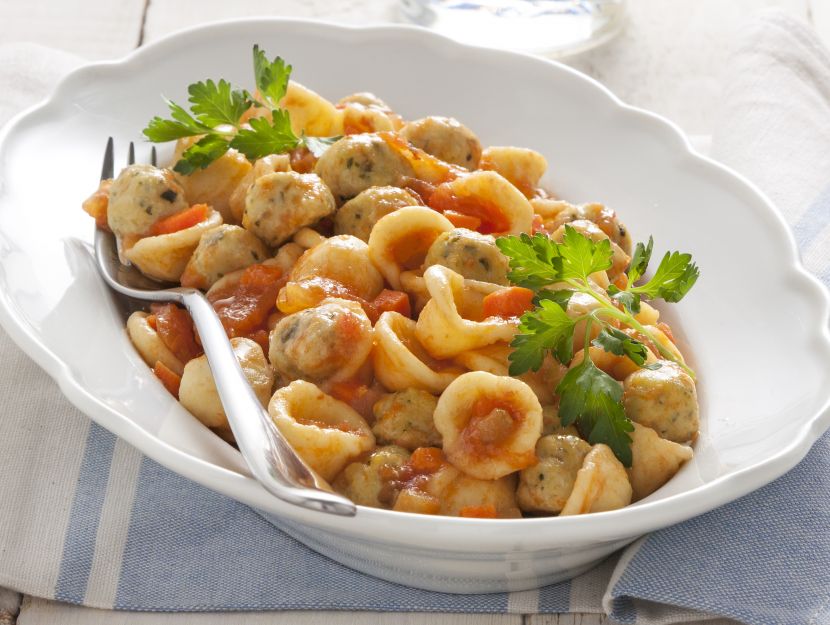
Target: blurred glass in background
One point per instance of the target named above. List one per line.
(550, 27)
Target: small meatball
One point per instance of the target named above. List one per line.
(445, 138)
(521, 166)
(220, 251)
(551, 424)
(140, 196)
(473, 255)
(328, 342)
(365, 98)
(359, 215)
(358, 118)
(601, 484)
(278, 205)
(405, 419)
(198, 390)
(265, 165)
(546, 486)
(345, 260)
(663, 399)
(371, 482)
(358, 162)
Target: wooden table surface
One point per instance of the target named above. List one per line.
(666, 60)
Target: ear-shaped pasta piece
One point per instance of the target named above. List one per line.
(663, 339)
(446, 326)
(619, 259)
(655, 460)
(308, 238)
(601, 484)
(618, 367)
(345, 260)
(266, 165)
(474, 291)
(400, 240)
(198, 390)
(311, 113)
(546, 486)
(495, 359)
(523, 167)
(400, 360)
(325, 432)
(489, 424)
(149, 345)
(485, 195)
(164, 257)
(357, 118)
(216, 183)
(469, 497)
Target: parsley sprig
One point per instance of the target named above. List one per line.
(215, 112)
(589, 397)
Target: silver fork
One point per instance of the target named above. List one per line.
(271, 459)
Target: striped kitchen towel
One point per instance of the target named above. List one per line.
(85, 518)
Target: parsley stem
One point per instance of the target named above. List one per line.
(584, 287)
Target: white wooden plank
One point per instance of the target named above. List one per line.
(668, 58)
(42, 612)
(94, 29)
(166, 16)
(820, 18)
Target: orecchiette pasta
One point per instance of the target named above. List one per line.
(198, 390)
(655, 460)
(401, 362)
(521, 166)
(489, 424)
(149, 345)
(445, 326)
(378, 273)
(400, 240)
(601, 484)
(488, 197)
(164, 256)
(325, 432)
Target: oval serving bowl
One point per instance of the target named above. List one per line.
(760, 413)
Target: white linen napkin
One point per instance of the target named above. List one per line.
(85, 518)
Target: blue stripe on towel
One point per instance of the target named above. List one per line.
(814, 220)
(555, 598)
(782, 563)
(192, 549)
(79, 540)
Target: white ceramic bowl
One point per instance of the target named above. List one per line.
(763, 363)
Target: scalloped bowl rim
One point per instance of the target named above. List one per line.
(593, 528)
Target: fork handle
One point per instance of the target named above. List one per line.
(269, 456)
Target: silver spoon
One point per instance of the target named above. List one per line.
(269, 456)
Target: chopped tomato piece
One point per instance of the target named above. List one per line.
(168, 377)
(420, 189)
(358, 395)
(426, 459)
(666, 330)
(537, 225)
(96, 205)
(487, 511)
(302, 160)
(151, 321)
(508, 303)
(492, 218)
(460, 220)
(187, 218)
(395, 301)
(621, 282)
(175, 328)
(245, 307)
(260, 337)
